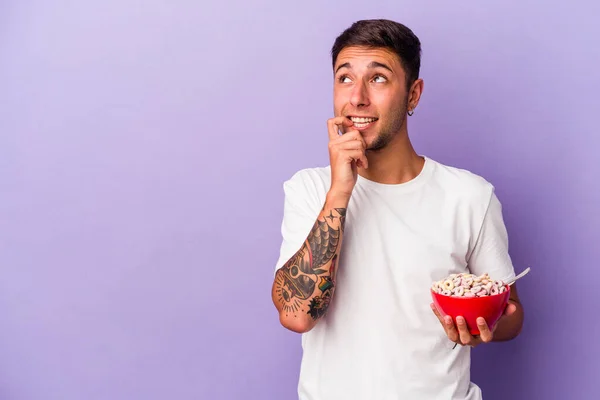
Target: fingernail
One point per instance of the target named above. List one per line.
(481, 321)
(460, 320)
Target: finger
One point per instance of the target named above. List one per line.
(350, 145)
(355, 136)
(463, 332)
(364, 160)
(335, 124)
(356, 155)
(484, 330)
(350, 136)
(510, 309)
(351, 141)
(360, 157)
(451, 329)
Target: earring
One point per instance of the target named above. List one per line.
(411, 112)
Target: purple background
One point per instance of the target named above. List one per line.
(143, 147)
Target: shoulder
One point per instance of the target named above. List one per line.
(308, 186)
(310, 180)
(462, 183)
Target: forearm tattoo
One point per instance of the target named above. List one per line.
(306, 282)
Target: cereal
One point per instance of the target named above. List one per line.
(469, 285)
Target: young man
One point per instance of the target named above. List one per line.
(364, 239)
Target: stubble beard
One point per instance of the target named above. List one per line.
(388, 132)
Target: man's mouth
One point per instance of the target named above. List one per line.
(362, 122)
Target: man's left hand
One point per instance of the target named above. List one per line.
(459, 333)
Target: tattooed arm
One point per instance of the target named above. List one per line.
(304, 285)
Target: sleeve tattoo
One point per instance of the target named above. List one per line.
(306, 282)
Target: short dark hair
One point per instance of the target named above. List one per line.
(383, 33)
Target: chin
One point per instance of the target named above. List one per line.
(377, 142)
(370, 138)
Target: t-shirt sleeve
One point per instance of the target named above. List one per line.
(490, 254)
(300, 212)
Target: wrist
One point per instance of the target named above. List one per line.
(337, 199)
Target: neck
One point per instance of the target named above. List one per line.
(394, 164)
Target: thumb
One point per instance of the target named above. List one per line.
(510, 309)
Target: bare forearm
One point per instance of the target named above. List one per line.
(304, 286)
(510, 326)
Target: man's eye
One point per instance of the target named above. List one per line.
(344, 79)
(379, 79)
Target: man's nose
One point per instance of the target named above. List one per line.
(359, 96)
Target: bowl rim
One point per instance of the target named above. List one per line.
(471, 298)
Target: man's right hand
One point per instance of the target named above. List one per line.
(346, 155)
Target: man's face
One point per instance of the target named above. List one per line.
(370, 88)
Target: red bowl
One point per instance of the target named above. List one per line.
(490, 308)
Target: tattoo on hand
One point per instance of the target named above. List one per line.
(300, 278)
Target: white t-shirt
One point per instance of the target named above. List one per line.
(380, 339)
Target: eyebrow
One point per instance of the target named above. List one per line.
(373, 64)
